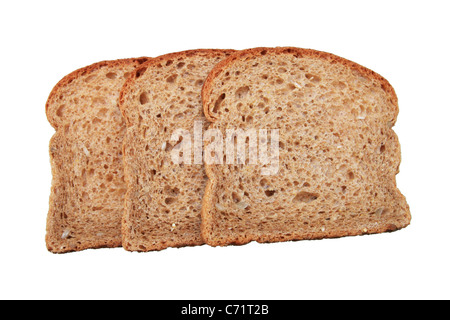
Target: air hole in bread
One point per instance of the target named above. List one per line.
(169, 62)
(169, 200)
(219, 102)
(122, 192)
(99, 101)
(111, 75)
(313, 78)
(270, 193)
(351, 175)
(167, 147)
(264, 183)
(172, 78)
(140, 72)
(242, 92)
(181, 65)
(379, 211)
(90, 78)
(181, 115)
(339, 84)
(102, 112)
(382, 148)
(235, 197)
(261, 105)
(60, 111)
(174, 192)
(305, 197)
(143, 98)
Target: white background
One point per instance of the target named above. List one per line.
(405, 41)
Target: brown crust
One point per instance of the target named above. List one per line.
(206, 91)
(86, 245)
(126, 89)
(241, 240)
(298, 52)
(112, 243)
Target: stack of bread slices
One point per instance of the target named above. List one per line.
(137, 155)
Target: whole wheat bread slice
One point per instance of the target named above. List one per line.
(338, 154)
(163, 201)
(88, 187)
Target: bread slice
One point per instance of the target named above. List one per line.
(88, 187)
(164, 198)
(338, 155)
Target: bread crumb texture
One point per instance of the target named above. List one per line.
(338, 153)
